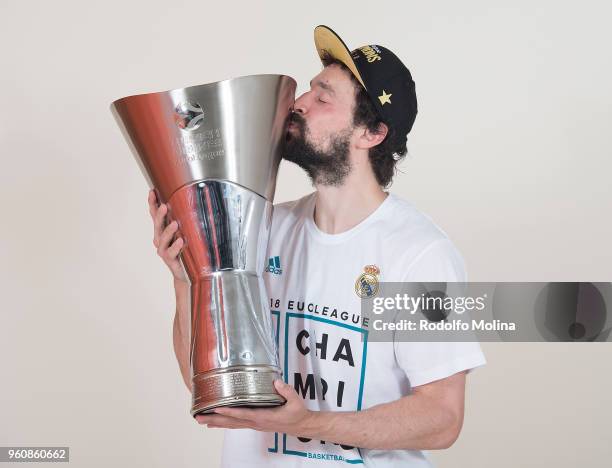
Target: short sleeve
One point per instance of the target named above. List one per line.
(440, 261)
(425, 362)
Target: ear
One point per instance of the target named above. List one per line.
(367, 139)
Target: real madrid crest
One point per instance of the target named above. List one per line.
(367, 282)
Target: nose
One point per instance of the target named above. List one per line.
(299, 107)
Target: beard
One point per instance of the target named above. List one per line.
(323, 167)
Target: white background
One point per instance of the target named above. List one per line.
(510, 155)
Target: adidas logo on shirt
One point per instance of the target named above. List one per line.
(274, 266)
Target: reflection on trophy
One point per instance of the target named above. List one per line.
(211, 152)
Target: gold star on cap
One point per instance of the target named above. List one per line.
(385, 98)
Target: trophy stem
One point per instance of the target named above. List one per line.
(233, 356)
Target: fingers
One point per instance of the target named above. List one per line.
(175, 248)
(152, 200)
(170, 254)
(166, 236)
(158, 223)
(285, 390)
(158, 213)
(223, 421)
(238, 413)
(167, 248)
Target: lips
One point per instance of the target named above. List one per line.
(295, 126)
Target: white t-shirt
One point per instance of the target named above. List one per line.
(324, 353)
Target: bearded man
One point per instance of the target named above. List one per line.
(349, 401)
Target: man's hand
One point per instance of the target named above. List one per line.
(167, 249)
(428, 419)
(292, 418)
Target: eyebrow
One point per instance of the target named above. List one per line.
(323, 85)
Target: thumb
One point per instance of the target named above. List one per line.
(285, 390)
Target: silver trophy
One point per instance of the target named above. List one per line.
(211, 152)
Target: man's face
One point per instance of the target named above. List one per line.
(320, 132)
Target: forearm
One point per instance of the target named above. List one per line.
(414, 422)
(181, 330)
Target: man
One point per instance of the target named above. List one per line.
(348, 401)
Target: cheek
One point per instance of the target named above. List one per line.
(318, 135)
(323, 127)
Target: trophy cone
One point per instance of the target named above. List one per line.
(212, 152)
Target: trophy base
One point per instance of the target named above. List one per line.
(235, 386)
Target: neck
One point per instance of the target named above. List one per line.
(338, 209)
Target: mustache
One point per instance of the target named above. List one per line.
(297, 119)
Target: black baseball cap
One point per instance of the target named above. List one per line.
(384, 77)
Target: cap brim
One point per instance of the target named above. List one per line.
(328, 42)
